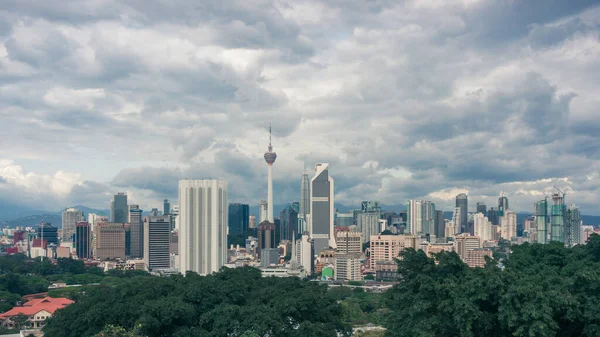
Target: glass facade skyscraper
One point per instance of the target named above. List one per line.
(558, 218)
(572, 226)
(119, 210)
(239, 217)
(462, 201)
(541, 220)
(481, 208)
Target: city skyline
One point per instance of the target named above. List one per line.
(341, 83)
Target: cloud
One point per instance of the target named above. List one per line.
(412, 99)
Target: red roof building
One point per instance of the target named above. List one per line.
(37, 311)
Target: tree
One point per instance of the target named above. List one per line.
(21, 321)
(116, 331)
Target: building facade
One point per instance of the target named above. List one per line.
(462, 202)
(110, 241)
(572, 226)
(349, 243)
(239, 217)
(322, 208)
(508, 227)
(83, 240)
(367, 219)
(136, 227)
(288, 221)
(482, 227)
(347, 267)
(118, 208)
(70, 218)
(481, 208)
(203, 225)
(157, 239)
(388, 247)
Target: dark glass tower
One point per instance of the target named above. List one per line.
(239, 217)
(463, 203)
(481, 208)
(493, 216)
(119, 210)
(83, 240)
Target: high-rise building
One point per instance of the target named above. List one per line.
(270, 157)
(462, 201)
(263, 210)
(349, 243)
(508, 227)
(136, 228)
(344, 219)
(322, 208)
(420, 217)
(118, 208)
(367, 219)
(203, 225)
(457, 219)
(266, 236)
(83, 240)
(252, 221)
(166, 207)
(572, 226)
(493, 216)
(157, 238)
(465, 243)
(303, 253)
(94, 220)
(482, 227)
(304, 196)
(440, 224)
(388, 247)
(289, 222)
(347, 267)
(558, 218)
(502, 207)
(541, 220)
(110, 241)
(239, 216)
(70, 217)
(481, 208)
(46, 232)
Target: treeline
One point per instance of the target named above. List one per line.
(541, 290)
(233, 302)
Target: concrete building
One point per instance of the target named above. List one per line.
(110, 241)
(94, 220)
(157, 239)
(289, 221)
(347, 267)
(118, 208)
(203, 225)
(83, 240)
(508, 227)
(435, 248)
(440, 224)
(304, 210)
(304, 253)
(239, 216)
(481, 208)
(572, 226)
(476, 257)
(349, 243)
(322, 208)
(541, 221)
(136, 227)
(482, 227)
(367, 219)
(465, 242)
(70, 217)
(266, 237)
(462, 202)
(269, 256)
(457, 220)
(166, 207)
(252, 221)
(388, 247)
(344, 219)
(46, 232)
(263, 210)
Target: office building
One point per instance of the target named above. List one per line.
(154, 212)
(420, 217)
(481, 208)
(118, 208)
(344, 219)
(322, 208)
(94, 220)
(136, 229)
(465, 242)
(347, 268)
(482, 227)
(203, 225)
(493, 216)
(304, 196)
(367, 219)
(252, 221)
(502, 205)
(45, 231)
(110, 241)
(349, 243)
(239, 217)
(508, 227)
(166, 207)
(269, 256)
(303, 251)
(557, 220)
(462, 202)
(263, 210)
(83, 240)
(440, 224)
(266, 236)
(288, 221)
(270, 157)
(457, 219)
(388, 247)
(157, 239)
(70, 217)
(572, 226)
(475, 258)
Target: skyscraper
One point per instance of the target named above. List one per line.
(493, 216)
(157, 236)
(463, 202)
(541, 220)
(572, 226)
(239, 216)
(270, 157)
(203, 225)
(508, 227)
(440, 224)
(110, 241)
(289, 222)
(118, 208)
(457, 219)
(482, 227)
(558, 218)
(481, 208)
(420, 217)
(322, 208)
(136, 228)
(83, 240)
(502, 205)
(262, 211)
(70, 217)
(304, 196)
(47, 232)
(166, 207)
(367, 219)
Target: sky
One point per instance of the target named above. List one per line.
(417, 99)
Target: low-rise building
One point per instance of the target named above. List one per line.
(36, 311)
(476, 257)
(347, 267)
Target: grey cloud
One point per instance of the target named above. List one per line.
(162, 181)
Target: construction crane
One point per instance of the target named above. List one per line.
(563, 193)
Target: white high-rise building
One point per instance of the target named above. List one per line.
(322, 209)
(456, 220)
(262, 211)
(482, 227)
(70, 218)
(203, 225)
(304, 196)
(270, 157)
(508, 225)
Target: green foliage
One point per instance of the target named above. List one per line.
(544, 290)
(116, 331)
(233, 302)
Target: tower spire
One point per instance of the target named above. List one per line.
(270, 146)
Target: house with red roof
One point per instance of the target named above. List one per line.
(36, 310)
